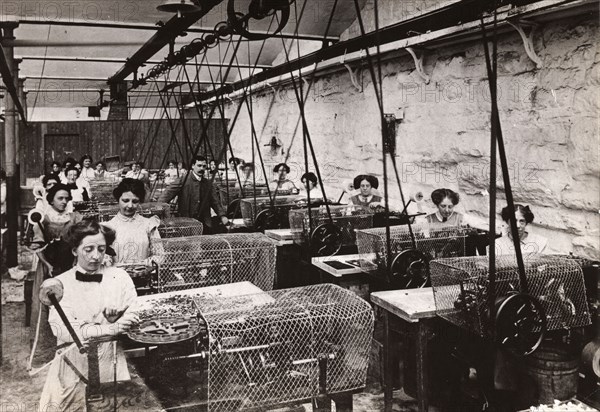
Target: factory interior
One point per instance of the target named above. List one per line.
(300, 205)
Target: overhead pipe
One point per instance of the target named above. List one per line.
(153, 27)
(113, 60)
(94, 79)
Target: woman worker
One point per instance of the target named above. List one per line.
(171, 172)
(366, 197)
(445, 200)
(281, 182)
(53, 258)
(311, 186)
(530, 242)
(95, 301)
(87, 171)
(79, 188)
(40, 191)
(247, 176)
(133, 232)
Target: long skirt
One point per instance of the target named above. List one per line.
(65, 390)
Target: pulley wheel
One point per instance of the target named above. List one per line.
(51, 286)
(410, 269)
(326, 240)
(234, 210)
(256, 10)
(266, 219)
(223, 30)
(520, 323)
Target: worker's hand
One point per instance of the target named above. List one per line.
(112, 314)
(126, 322)
(375, 205)
(224, 220)
(35, 246)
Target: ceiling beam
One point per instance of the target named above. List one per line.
(154, 27)
(82, 91)
(113, 60)
(163, 36)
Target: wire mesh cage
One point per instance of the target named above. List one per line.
(279, 350)
(461, 290)
(252, 207)
(87, 209)
(591, 274)
(260, 350)
(161, 210)
(347, 218)
(198, 261)
(408, 263)
(227, 194)
(144, 276)
(102, 190)
(180, 227)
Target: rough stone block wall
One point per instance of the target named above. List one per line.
(549, 118)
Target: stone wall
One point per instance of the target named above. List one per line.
(549, 118)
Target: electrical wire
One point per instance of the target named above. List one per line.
(42, 73)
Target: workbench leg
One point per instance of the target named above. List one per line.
(388, 371)
(321, 403)
(422, 363)
(343, 402)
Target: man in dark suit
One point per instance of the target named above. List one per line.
(197, 196)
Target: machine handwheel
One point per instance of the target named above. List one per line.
(520, 323)
(266, 219)
(234, 210)
(258, 10)
(410, 269)
(326, 240)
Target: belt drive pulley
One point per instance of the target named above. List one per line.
(410, 269)
(267, 219)
(258, 10)
(326, 240)
(520, 323)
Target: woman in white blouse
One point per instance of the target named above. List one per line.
(311, 185)
(172, 173)
(87, 171)
(530, 242)
(281, 181)
(95, 300)
(133, 232)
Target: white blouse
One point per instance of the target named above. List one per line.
(132, 243)
(87, 173)
(84, 304)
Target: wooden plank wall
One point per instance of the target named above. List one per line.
(146, 140)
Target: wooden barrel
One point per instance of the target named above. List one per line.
(553, 370)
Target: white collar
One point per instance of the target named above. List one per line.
(124, 218)
(521, 239)
(78, 268)
(440, 217)
(197, 176)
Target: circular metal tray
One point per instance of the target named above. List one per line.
(166, 330)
